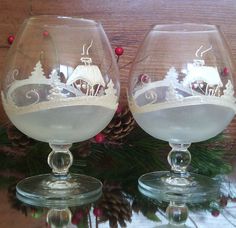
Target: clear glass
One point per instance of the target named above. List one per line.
(59, 217)
(61, 86)
(181, 90)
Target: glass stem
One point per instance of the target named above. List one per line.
(59, 217)
(177, 213)
(179, 158)
(60, 159)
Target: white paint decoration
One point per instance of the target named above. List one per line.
(59, 93)
(196, 87)
(196, 71)
(87, 72)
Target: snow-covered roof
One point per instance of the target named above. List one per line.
(89, 73)
(208, 74)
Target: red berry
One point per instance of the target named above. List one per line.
(225, 71)
(74, 220)
(97, 212)
(99, 138)
(45, 33)
(215, 213)
(119, 109)
(144, 78)
(11, 39)
(79, 214)
(223, 201)
(119, 51)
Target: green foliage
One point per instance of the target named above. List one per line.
(139, 154)
(83, 223)
(123, 162)
(142, 153)
(207, 157)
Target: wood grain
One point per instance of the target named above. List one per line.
(125, 21)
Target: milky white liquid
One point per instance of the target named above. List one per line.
(64, 124)
(186, 124)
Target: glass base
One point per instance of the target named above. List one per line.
(51, 190)
(153, 185)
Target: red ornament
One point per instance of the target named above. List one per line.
(97, 212)
(119, 51)
(215, 213)
(225, 71)
(144, 78)
(99, 138)
(11, 39)
(45, 33)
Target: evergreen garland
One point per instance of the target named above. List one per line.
(135, 155)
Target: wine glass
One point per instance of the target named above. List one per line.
(61, 86)
(181, 90)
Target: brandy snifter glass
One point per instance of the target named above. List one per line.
(61, 86)
(181, 90)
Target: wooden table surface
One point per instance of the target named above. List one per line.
(125, 21)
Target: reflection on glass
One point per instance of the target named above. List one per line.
(134, 209)
(59, 217)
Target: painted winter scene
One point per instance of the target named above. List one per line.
(186, 109)
(196, 83)
(85, 86)
(65, 111)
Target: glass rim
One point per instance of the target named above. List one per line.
(56, 20)
(184, 28)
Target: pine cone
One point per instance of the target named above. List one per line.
(120, 126)
(135, 206)
(115, 206)
(17, 138)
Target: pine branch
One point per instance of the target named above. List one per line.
(207, 157)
